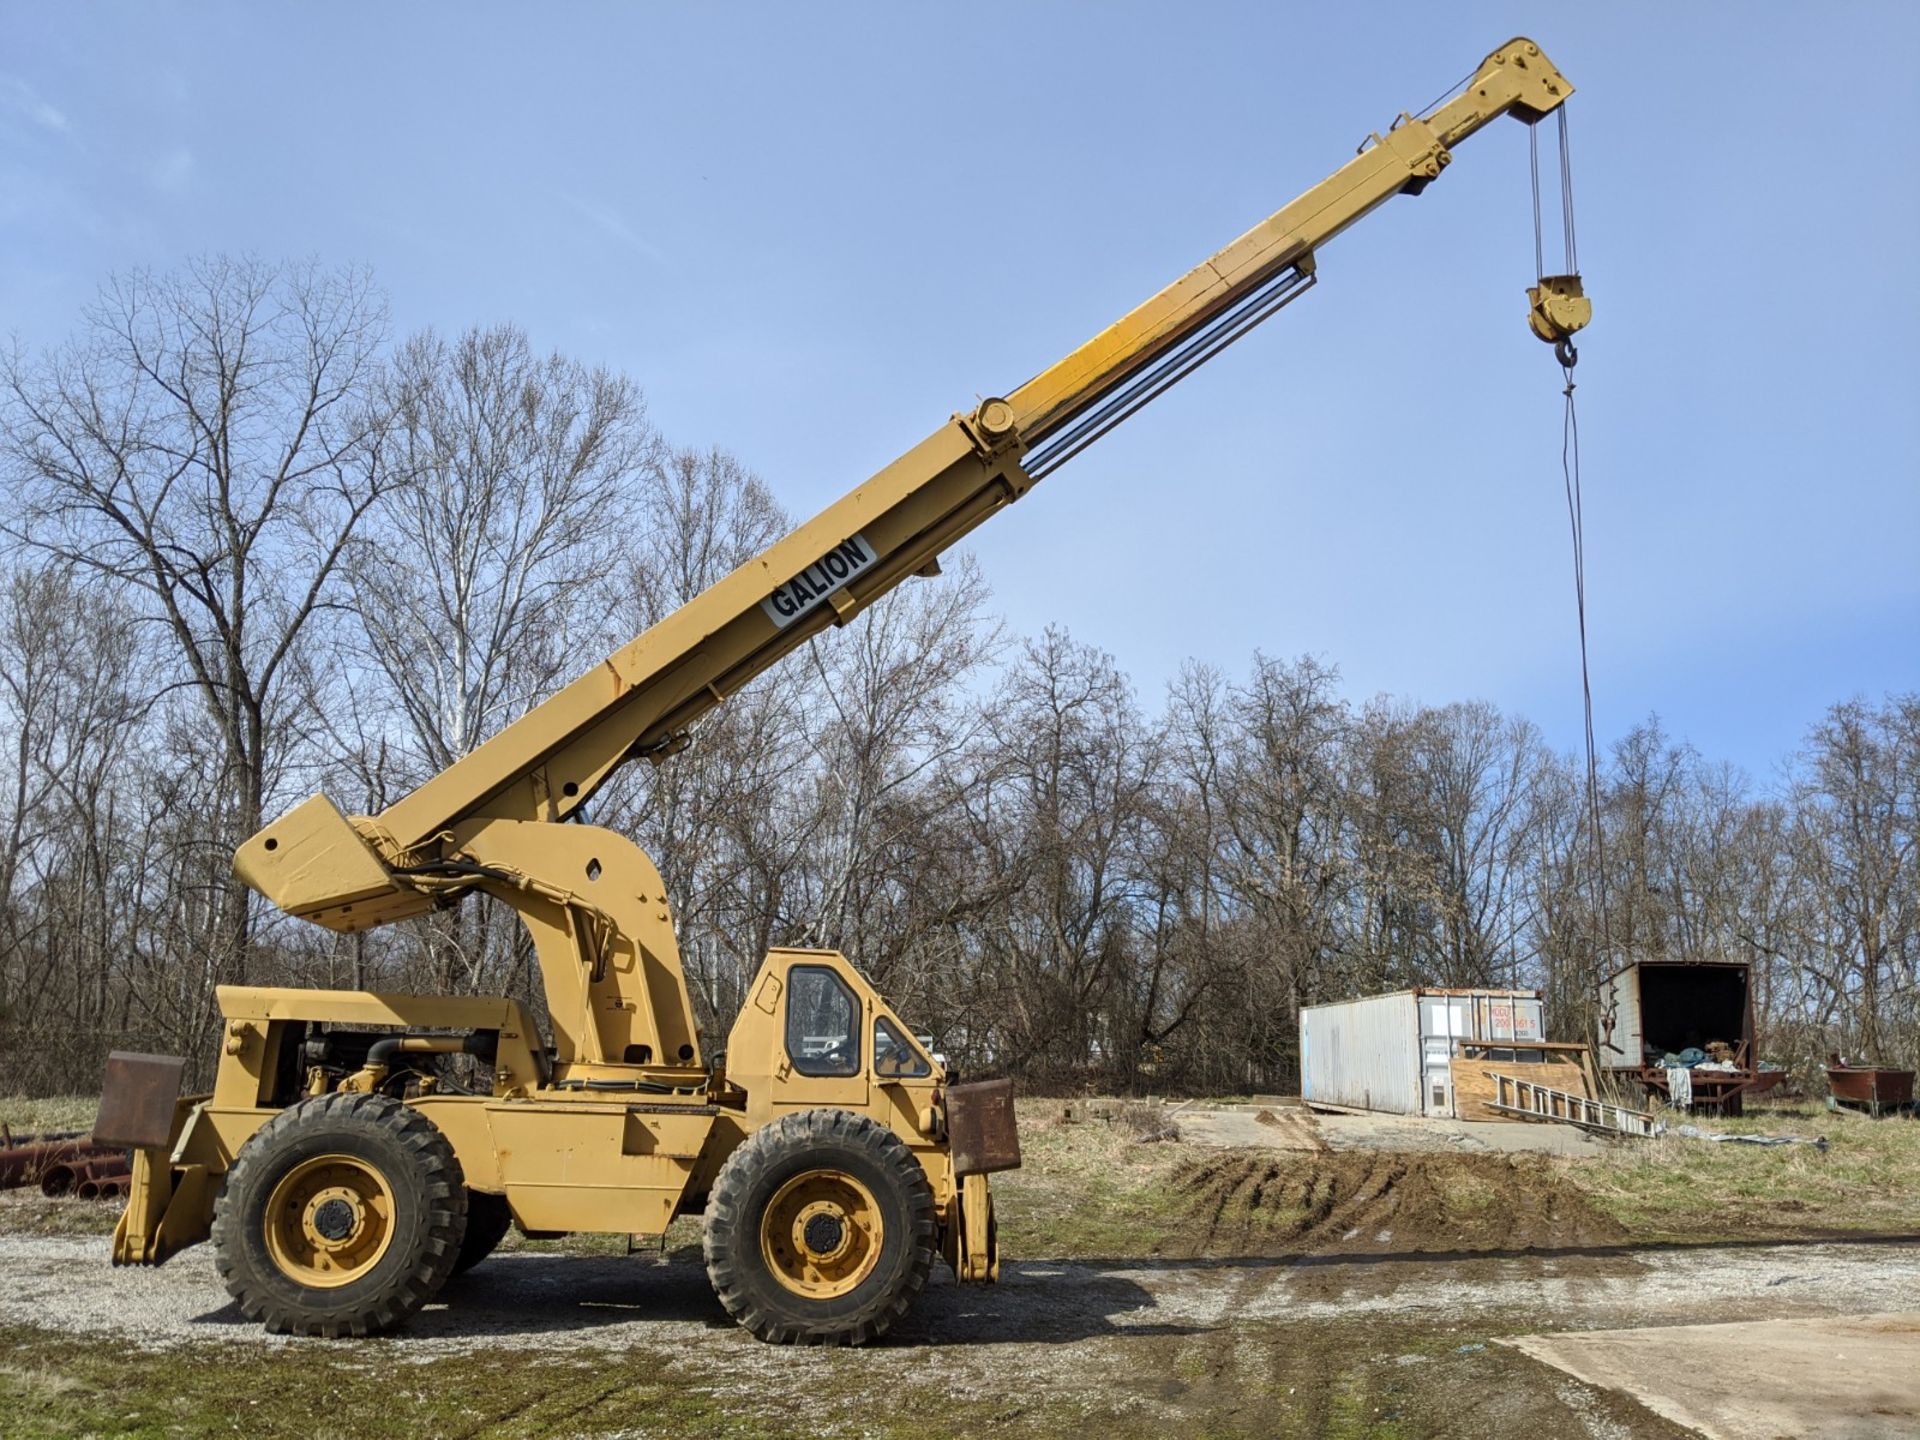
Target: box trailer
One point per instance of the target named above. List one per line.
(1395, 1052)
(1656, 1012)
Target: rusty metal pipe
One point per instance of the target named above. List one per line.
(59, 1179)
(28, 1164)
(76, 1174)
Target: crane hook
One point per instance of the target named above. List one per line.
(1564, 352)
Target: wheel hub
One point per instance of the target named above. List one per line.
(334, 1219)
(329, 1220)
(824, 1233)
(821, 1234)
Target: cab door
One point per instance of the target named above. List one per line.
(824, 1030)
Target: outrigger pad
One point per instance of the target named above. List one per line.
(981, 1129)
(137, 1101)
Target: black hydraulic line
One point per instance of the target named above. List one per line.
(454, 868)
(648, 1086)
(1079, 428)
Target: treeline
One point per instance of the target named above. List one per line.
(258, 548)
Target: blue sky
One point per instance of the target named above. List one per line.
(812, 232)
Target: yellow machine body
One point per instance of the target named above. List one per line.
(566, 1159)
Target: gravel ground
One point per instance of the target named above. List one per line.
(64, 1284)
(1126, 1347)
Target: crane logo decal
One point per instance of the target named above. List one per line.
(819, 580)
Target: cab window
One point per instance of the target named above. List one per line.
(823, 1022)
(895, 1056)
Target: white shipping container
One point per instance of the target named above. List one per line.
(1394, 1052)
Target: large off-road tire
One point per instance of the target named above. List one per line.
(488, 1220)
(820, 1230)
(343, 1215)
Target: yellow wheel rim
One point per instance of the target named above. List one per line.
(821, 1234)
(329, 1220)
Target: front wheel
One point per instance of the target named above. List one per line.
(343, 1215)
(820, 1230)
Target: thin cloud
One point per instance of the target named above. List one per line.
(610, 222)
(172, 172)
(22, 99)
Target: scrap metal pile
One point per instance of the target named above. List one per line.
(68, 1163)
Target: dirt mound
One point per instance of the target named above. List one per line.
(1355, 1201)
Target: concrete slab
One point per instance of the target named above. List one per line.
(1294, 1127)
(1414, 1132)
(1248, 1128)
(1852, 1378)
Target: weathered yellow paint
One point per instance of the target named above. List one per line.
(580, 1165)
(168, 1208)
(647, 1142)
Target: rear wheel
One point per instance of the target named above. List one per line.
(343, 1215)
(820, 1230)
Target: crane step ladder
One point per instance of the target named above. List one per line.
(1529, 1100)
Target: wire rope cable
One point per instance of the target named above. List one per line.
(1445, 95)
(1576, 516)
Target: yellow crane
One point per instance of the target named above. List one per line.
(831, 1155)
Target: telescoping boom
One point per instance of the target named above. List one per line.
(645, 698)
(832, 1155)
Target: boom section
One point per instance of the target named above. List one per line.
(643, 699)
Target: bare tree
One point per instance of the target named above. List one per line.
(73, 893)
(706, 815)
(1857, 841)
(208, 447)
(1054, 804)
(1287, 814)
(486, 582)
(891, 706)
(487, 579)
(1476, 768)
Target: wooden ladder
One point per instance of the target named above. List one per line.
(1532, 1101)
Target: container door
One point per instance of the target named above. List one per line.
(1442, 1020)
(1620, 1034)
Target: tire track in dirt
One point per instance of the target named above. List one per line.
(1268, 1203)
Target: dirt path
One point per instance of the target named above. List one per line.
(1236, 1344)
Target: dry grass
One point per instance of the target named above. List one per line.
(1867, 1179)
(61, 1112)
(1146, 1121)
(1089, 1186)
